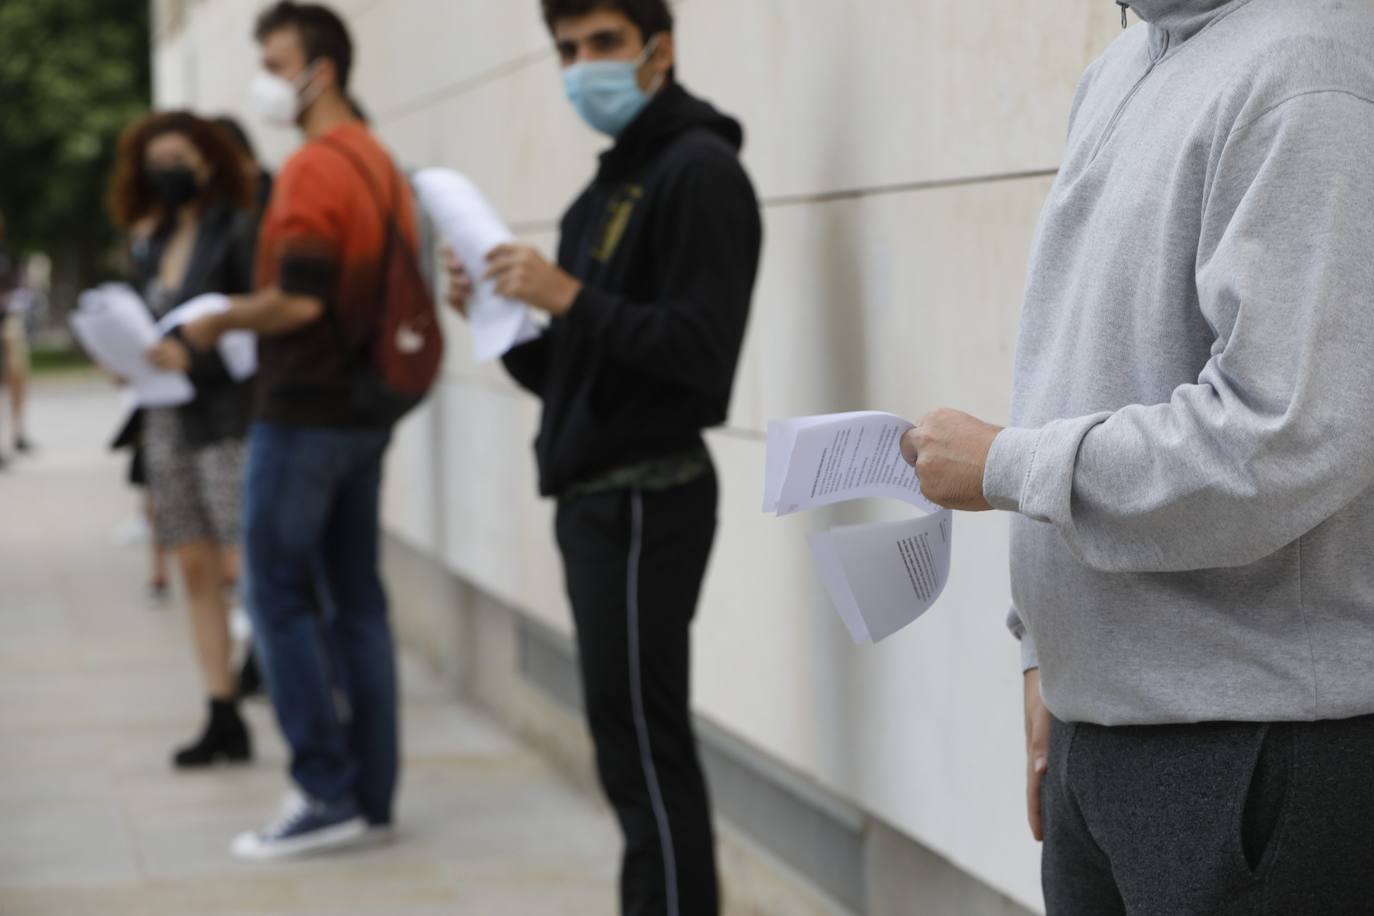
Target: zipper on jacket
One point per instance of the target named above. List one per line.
(1124, 6)
(1130, 96)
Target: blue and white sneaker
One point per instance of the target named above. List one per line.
(305, 826)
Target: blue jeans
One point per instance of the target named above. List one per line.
(319, 609)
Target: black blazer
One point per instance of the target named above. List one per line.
(221, 262)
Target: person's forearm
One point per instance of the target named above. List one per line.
(1200, 482)
(269, 313)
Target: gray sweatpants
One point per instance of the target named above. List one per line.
(1213, 819)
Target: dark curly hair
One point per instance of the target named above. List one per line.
(131, 197)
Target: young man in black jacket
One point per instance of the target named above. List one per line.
(649, 301)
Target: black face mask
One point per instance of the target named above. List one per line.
(174, 187)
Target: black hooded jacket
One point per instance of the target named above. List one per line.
(666, 240)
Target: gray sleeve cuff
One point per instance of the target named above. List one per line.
(1030, 658)
(1031, 471)
(1009, 466)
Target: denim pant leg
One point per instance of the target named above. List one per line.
(360, 630)
(290, 492)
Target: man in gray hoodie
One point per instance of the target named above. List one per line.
(1191, 464)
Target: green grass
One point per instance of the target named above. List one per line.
(50, 361)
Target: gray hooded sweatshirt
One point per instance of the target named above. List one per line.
(1191, 451)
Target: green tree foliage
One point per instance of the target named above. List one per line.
(73, 74)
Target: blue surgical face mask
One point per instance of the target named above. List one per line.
(606, 93)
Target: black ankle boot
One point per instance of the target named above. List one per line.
(225, 737)
(250, 678)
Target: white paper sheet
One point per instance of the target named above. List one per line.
(238, 349)
(823, 460)
(471, 227)
(882, 577)
(115, 328)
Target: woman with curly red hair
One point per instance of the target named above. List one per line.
(180, 192)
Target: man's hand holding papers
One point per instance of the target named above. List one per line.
(472, 233)
(521, 272)
(880, 577)
(949, 451)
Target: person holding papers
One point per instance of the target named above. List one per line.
(1191, 464)
(179, 175)
(649, 299)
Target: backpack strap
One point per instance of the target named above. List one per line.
(388, 217)
(389, 228)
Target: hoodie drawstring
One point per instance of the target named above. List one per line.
(1124, 6)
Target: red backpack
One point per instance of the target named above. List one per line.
(400, 354)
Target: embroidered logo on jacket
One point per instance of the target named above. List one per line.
(619, 209)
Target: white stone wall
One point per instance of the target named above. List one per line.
(902, 149)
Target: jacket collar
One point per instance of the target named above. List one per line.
(216, 224)
(644, 135)
(672, 112)
(1172, 22)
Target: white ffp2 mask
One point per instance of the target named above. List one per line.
(278, 100)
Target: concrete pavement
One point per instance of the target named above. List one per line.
(97, 684)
